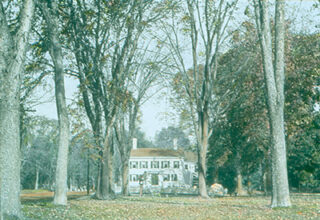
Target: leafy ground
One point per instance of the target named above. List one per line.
(80, 207)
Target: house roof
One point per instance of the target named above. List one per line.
(159, 152)
(190, 156)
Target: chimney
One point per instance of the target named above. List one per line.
(134, 143)
(175, 144)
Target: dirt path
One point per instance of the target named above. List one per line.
(48, 195)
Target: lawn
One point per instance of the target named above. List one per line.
(303, 207)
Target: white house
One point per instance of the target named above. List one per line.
(161, 168)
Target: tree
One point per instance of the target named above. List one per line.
(147, 67)
(207, 21)
(104, 40)
(244, 121)
(274, 78)
(14, 41)
(82, 161)
(84, 153)
(50, 13)
(143, 142)
(39, 154)
(239, 131)
(165, 138)
(99, 83)
(302, 125)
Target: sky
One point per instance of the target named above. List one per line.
(153, 111)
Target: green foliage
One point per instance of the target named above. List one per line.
(302, 122)
(39, 153)
(244, 127)
(82, 156)
(143, 142)
(164, 139)
(240, 135)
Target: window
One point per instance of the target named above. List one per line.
(186, 166)
(174, 177)
(166, 177)
(134, 178)
(176, 164)
(144, 164)
(154, 164)
(134, 164)
(165, 164)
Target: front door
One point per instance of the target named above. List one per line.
(154, 179)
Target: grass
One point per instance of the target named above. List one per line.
(303, 207)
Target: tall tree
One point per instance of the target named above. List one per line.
(302, 118)
(104, 39)
(99, 85)
(244, 124)
(205, 24)
(273, 66)
(13, 46)
(50, 14)
(147, 69)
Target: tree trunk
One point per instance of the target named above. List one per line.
(239, 188)
(12, 56)
(202, 153)
(60, 195)
(93, 183)
(61, 188)
(267, 179)
(88, 173)
(104, 190)
(125, 180)
(104, 185)
(70, 184)
(124, 141)
(274, 77)
(216, 174)
(36, 184)
(264, 182)
(10, 148)
(280, 187)
(249, 186)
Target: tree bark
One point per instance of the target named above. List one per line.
(274, 77)
(12, 55)
(61, 187)
(88, 172)
(202, 153)
(60, 195)
(216, 173)
(280, 186)
(267, 179)
(125, 180)
(124, 140)
(239, 188)
(104, 189)
(199, 85)
(36, 184)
